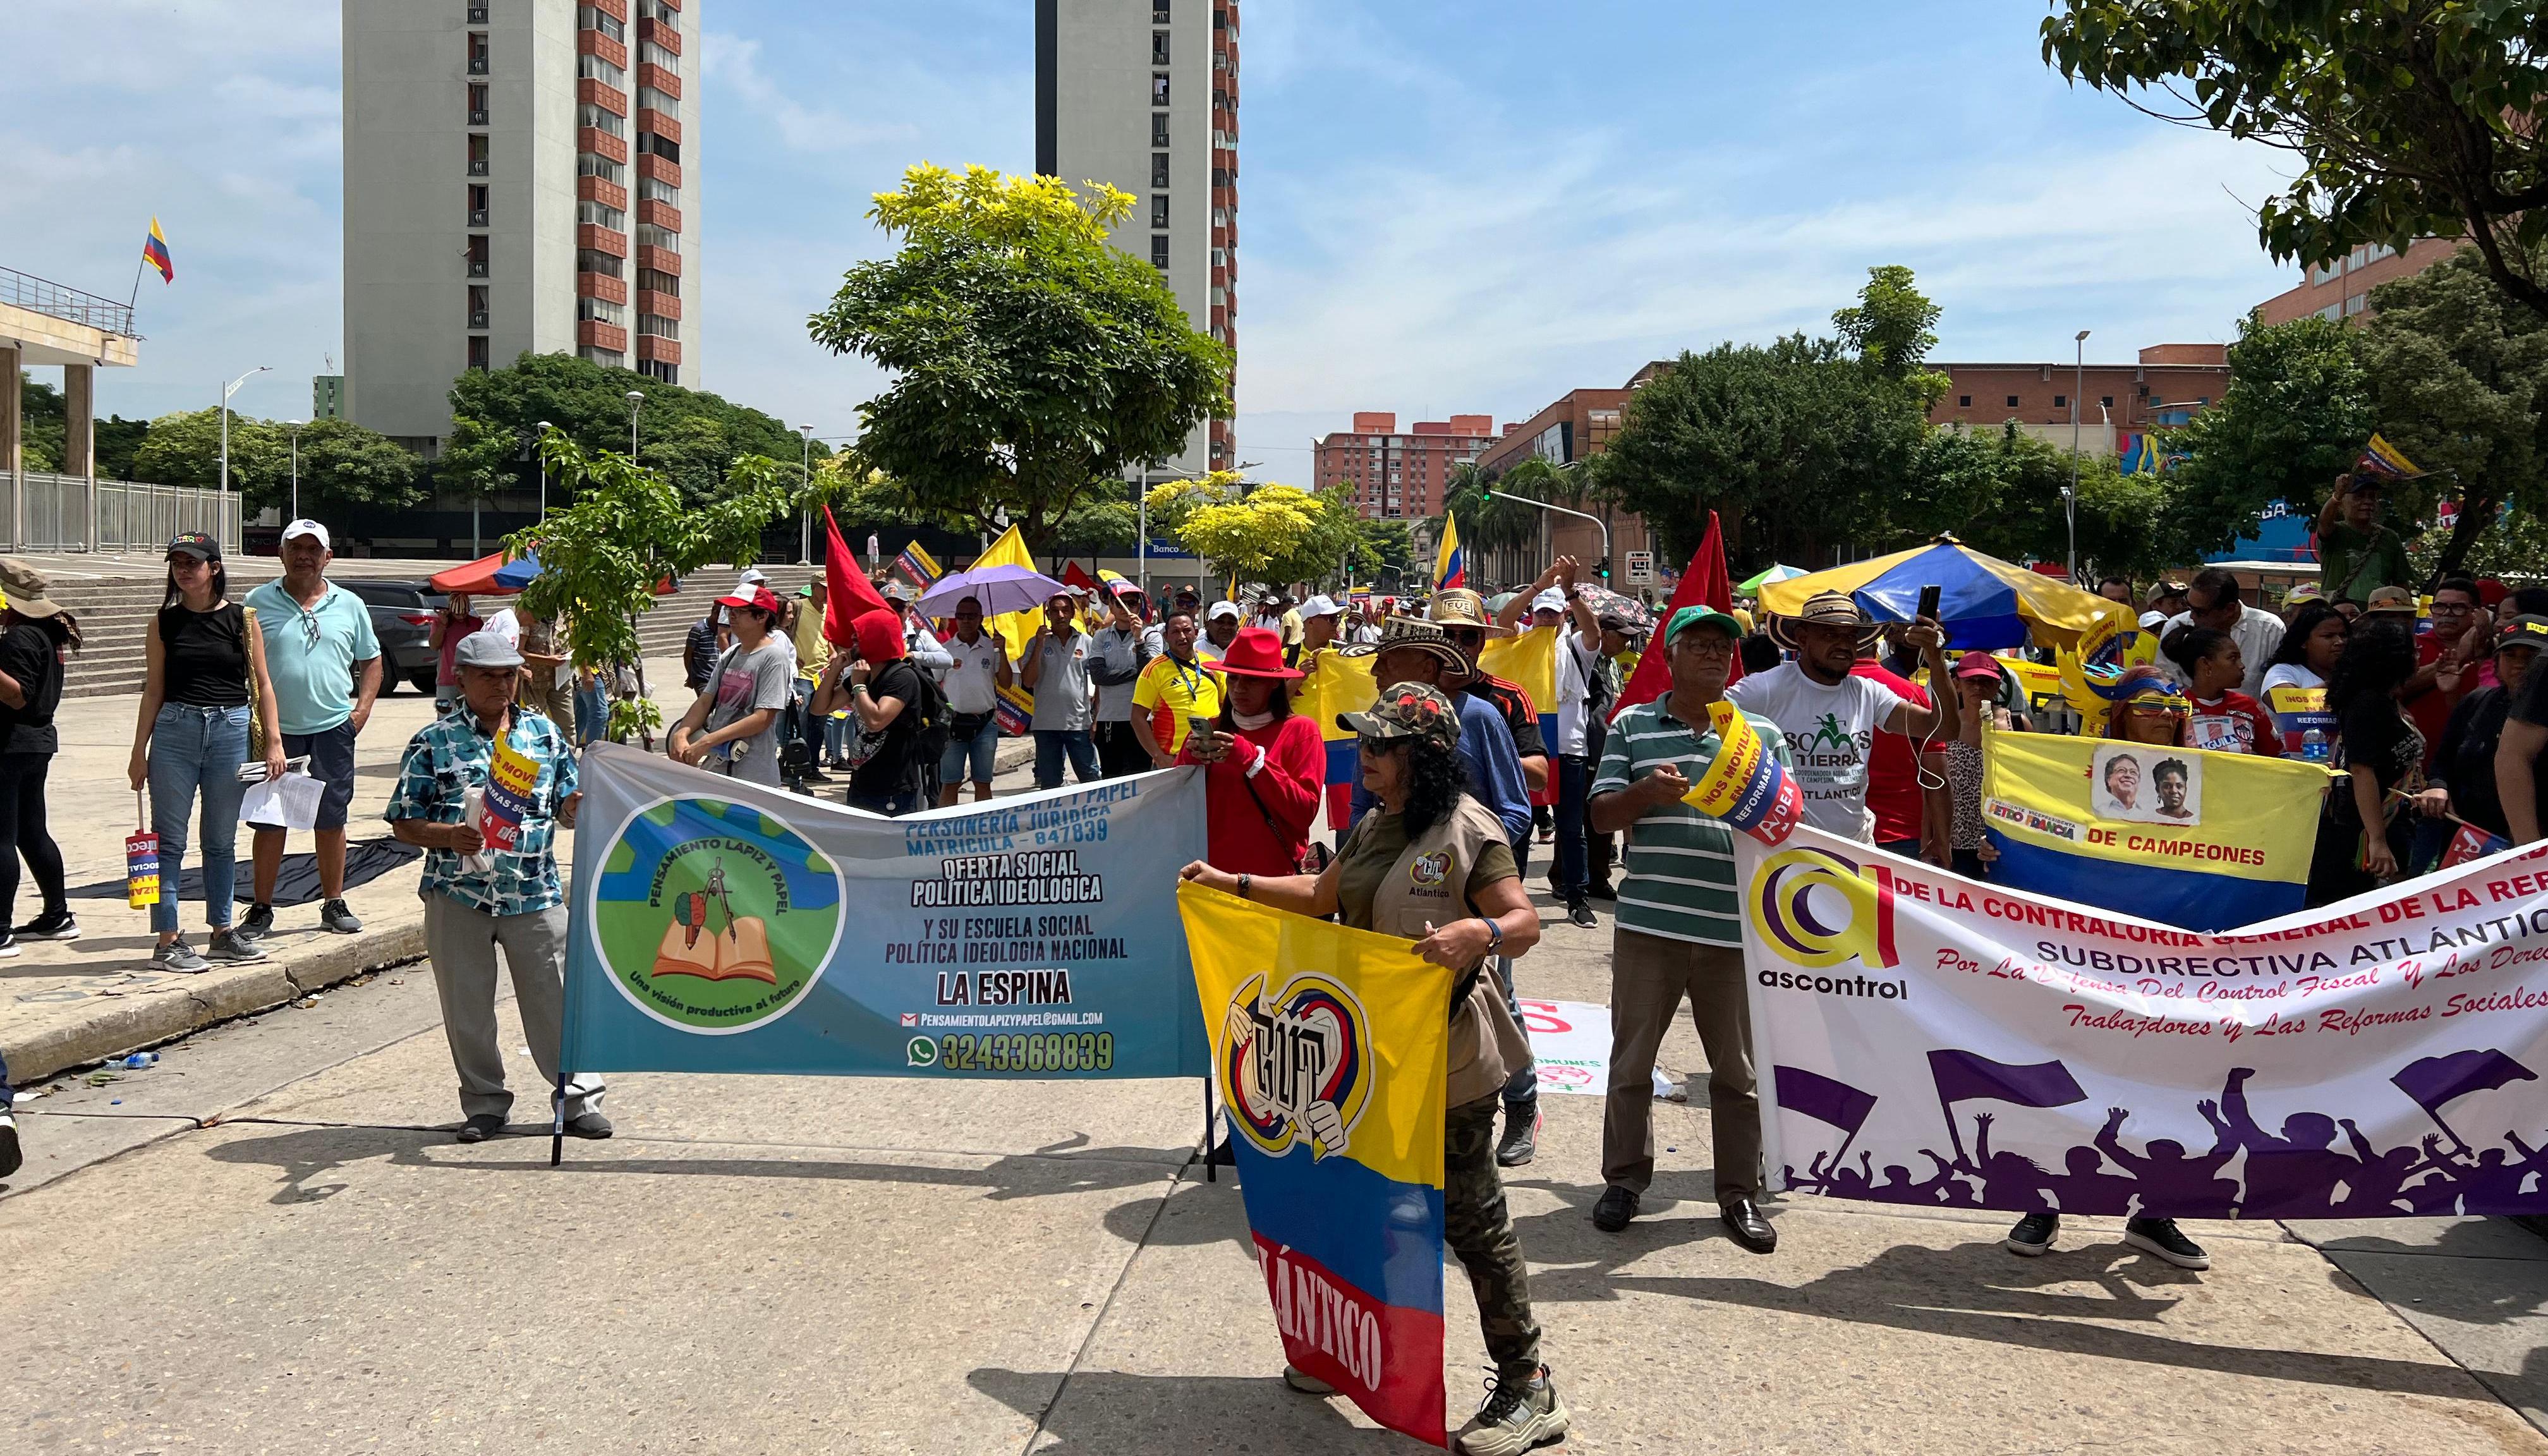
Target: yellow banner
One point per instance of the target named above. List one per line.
(1322, 1037)
(2169, 808)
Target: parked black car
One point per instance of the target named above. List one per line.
(403, 614)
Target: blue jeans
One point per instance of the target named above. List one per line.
(197, 749)
(1051, 744)
(1574, 795)
(591, 711)
(1521, 1089)
(836, 737)
(972, 758)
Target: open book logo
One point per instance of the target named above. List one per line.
(715, 916)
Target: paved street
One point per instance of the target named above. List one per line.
(272, 1243)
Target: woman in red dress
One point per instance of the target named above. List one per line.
(1264, 765)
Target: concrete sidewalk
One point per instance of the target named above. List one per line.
(71, 1003)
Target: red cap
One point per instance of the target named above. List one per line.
(1977, 663)
(761, 596)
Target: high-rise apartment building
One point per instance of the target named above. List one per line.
(514, 183)
(1394, 476)
(1145, 98)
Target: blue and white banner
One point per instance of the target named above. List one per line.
(1927, 1039)
(721, 927)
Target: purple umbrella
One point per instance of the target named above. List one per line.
(1000, 590)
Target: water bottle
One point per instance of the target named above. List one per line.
(139, 1059)
(2313, 745)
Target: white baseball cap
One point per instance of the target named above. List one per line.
(1318, 606)
(1222, 609)
(2153, 618)
(307, 527)
(1551, 599)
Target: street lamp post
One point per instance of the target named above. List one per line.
(805, 517)
(544, 428)
(1599, 524)
(295, 427)
(219, 513)
(636, 399)
(2070, 497)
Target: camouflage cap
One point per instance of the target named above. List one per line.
(1408, 711)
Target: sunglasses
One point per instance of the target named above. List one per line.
(1377, 746)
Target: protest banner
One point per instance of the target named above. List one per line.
(1934, 1041)
(1745, 785)
(719, 926)
(1329, 1048)
(2195, 840)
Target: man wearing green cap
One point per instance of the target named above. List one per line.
(1680, 931)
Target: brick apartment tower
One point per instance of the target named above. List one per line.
(514, 183)
(1145, 98)
(1397, 476)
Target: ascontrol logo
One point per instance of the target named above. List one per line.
(1816, 908)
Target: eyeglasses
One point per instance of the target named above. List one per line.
(1704, 646)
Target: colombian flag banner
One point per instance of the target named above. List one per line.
(1015, 705)
(1329, 1048)
(1335, 682)
(2200, 841)
(1450, 564)
(154, 251)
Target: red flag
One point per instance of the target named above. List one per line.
(1705, 584)
(848, 595)
(1072, 575)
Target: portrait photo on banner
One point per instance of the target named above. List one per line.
(2145, 784)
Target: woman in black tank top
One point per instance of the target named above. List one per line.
(206, 667)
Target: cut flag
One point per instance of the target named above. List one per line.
(1450, 564)
(847, 593)
(154, 251)
(1706, 583)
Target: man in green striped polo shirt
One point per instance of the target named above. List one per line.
(1679, 932)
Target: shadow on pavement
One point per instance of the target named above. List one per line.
(1132, 1415)
(305, 1155)
(1978, 1292)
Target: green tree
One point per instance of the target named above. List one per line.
(1888, 328)
(185, 449)
(344, 465)
(2000, 492)
(1797, 446)
(42, 417)
(1033, 361)
(625, 528)
(694, 437)
(2295, 415)
(2407, 119)
(2458, 372)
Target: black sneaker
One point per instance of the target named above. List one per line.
(8, 945)
(2033, 1234)
(482, 1127)
(2160, 1236)
(1521, 1136)
(1517, 1416)
(230, 945)
(1617, 1205)
(1579, 915)
(334, 916)
(1600, 890)
(53, 925)
(588, 1125)
(11, 1159)
(259, 922)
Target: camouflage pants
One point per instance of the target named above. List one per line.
(1479, 1229)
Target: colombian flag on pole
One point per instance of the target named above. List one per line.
(2201, 841)
(1015, 705)
(1450, 565)
(154, 251)
(1329, 1048)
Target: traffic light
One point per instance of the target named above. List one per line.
(1603, 570)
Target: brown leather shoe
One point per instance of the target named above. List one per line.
(1742, 1220)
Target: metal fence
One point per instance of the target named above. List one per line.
(58, 514)
(44, 296)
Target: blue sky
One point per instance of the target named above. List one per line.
(1469, 207)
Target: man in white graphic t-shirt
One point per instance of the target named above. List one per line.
(1830, 718)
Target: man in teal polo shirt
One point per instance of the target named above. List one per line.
(1680, 931)
(327, 669)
